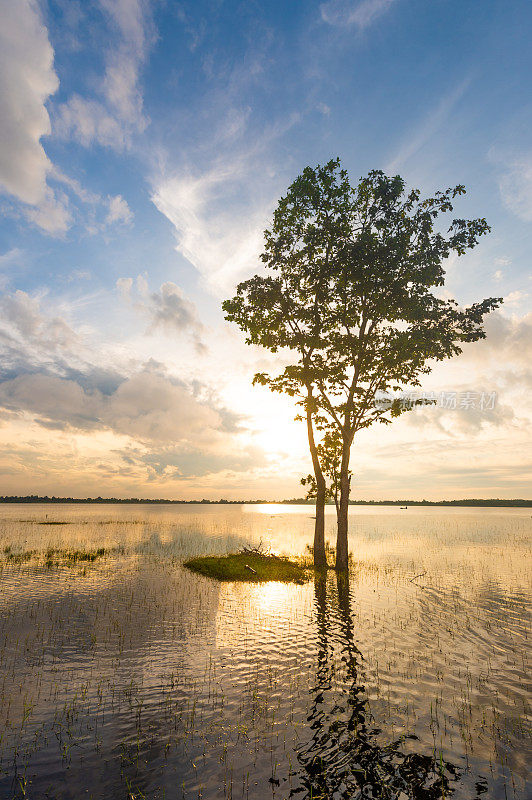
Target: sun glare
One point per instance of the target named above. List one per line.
(272, 596)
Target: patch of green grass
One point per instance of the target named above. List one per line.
(74, 556)
(18, 558)
(251, 567)
(55, 557)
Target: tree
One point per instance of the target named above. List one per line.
(284, 310)
(347, 294)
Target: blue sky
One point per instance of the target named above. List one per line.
(144, 145)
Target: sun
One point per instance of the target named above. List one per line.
(270, 422)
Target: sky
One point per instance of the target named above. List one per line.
(143, 147)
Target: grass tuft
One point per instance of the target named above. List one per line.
(74, 556)
(250, 567)
(58, 557)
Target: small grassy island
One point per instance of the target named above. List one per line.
(249, 566)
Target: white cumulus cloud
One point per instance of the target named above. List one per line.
(168, 309)
(22, 321)
(48, 373)
(27, 80)
(119, 211)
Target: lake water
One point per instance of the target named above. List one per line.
(130, 677)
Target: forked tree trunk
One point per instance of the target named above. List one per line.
(320, 559)
(342, 548)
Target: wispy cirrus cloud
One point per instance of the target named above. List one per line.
(88, 122)
(9, 261)
(515, 181)
(360, 14)
(220, 209)
(103, 212)
(217, 220)
(117, 113)
(428, 127)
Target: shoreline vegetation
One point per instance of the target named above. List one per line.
(471, 502)
(53, 556)
(249, 567)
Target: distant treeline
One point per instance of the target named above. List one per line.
(469, 502)
(33, 498)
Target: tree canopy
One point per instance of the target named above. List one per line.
(350, 293)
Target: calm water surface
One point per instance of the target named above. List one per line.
(130, 677)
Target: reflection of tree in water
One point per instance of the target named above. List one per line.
(342, 758)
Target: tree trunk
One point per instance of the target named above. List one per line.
(320, 559)
(342, 548)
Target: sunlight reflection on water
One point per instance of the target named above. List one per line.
(130, 676)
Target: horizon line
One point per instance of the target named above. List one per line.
(501, 502)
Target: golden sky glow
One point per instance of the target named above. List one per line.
(141, 164)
